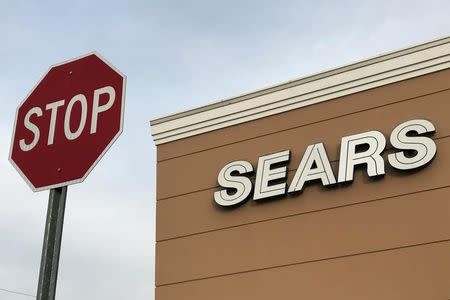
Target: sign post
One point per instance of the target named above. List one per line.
(62, 129)
(48, 273)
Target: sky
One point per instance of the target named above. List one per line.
(177, 55)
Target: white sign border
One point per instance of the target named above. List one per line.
(66, 183)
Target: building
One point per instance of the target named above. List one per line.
(384, 234)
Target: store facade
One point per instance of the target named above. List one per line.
(333, 186)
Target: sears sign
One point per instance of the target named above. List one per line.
(412, 150)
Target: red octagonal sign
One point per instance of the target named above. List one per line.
(68, 122)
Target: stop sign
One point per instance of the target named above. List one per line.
(68, 122)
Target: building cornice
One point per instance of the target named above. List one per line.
(367, 74)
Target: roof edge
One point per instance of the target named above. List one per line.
(369, 73)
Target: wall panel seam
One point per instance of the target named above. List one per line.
(302, 213)
(290, 170)
(309, 262)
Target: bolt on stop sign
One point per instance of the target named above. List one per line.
(68, 122)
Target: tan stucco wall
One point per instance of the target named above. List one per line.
(374, 239)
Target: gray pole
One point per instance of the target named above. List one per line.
(48, 273)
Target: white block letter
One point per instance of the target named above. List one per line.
(424, 147)
(67, 131)
(54, 113)
(241, 184)
(349, 158)
(32, 127)
(96, 108)
(267, 173)
(314, 154)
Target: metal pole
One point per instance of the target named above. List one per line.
(48, 273)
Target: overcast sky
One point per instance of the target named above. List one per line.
(176, 55)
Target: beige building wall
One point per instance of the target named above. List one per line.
(373, 239)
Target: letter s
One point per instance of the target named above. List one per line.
(241, 184)
(32, 127)
(424, 146)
